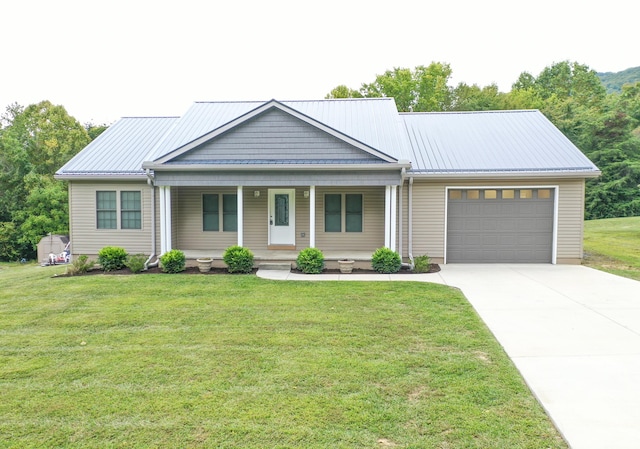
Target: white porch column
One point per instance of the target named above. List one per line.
(312, 216)
(393, 213)
(387, 218)
(240, 216)
(163, 212)
(165, 219)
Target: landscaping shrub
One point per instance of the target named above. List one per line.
(136, 262)
(421, 264)
(80, 265)
(173, 261)
(112, 258)
(238, 259)
(384, 260)
(310, 261)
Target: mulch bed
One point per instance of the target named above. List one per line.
(433, 268)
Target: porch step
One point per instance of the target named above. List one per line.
(285, 266)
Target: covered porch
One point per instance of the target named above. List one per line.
(257, 212)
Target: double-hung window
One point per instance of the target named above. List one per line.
(130, 207)
(130, 210)
(343, 211)
(106, 210)
(212, 204)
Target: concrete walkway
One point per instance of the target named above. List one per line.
(573, 332)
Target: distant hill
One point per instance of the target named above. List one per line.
(613, 81)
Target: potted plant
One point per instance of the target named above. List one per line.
(204, 264)
(346, 265)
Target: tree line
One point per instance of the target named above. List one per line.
(35, 141)
(605, 126)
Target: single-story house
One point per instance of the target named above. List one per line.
(346, 176)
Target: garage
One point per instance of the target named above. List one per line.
(500, 225)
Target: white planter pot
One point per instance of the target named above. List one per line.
(204, 265)
(346, 266)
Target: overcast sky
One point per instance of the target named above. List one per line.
(103, 60)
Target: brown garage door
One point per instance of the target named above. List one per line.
(500, 225)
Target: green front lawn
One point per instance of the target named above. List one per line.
(613, 245)
(228, 361)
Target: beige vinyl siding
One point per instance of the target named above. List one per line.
(186, 205)
(256, 218)
(370, 238)
(86, 238)
(429, 202)
(571, 222)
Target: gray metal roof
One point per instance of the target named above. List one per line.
(490, 142)
(374, 122)
(435, 143)
(121, 148)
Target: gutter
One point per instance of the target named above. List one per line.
(509, 175)
(276, 167)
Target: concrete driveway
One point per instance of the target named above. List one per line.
(574, 334)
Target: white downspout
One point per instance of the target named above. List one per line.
(410, 222)
(148, 262)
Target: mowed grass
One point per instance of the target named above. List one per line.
(229, 361)
(613, 245)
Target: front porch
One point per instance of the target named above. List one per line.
(362, 258)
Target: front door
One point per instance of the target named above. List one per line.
(282, 217)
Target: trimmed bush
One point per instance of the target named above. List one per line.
(80, 265)
(238, 259)
(384, 260)
(173, 261)
(421, 264)
(310, 261)
(112, 258)
(136, 262)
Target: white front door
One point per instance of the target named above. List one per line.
(282, 217)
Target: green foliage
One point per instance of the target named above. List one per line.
(385, 260)
(310, 261)
(45, 210)
(79, 265)
(9, 250)
(112, 258)
(136, 262)
(614, 82)
(421, 264)
(35, 142)
(238, 259)
(173, 261)
(423, 89)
